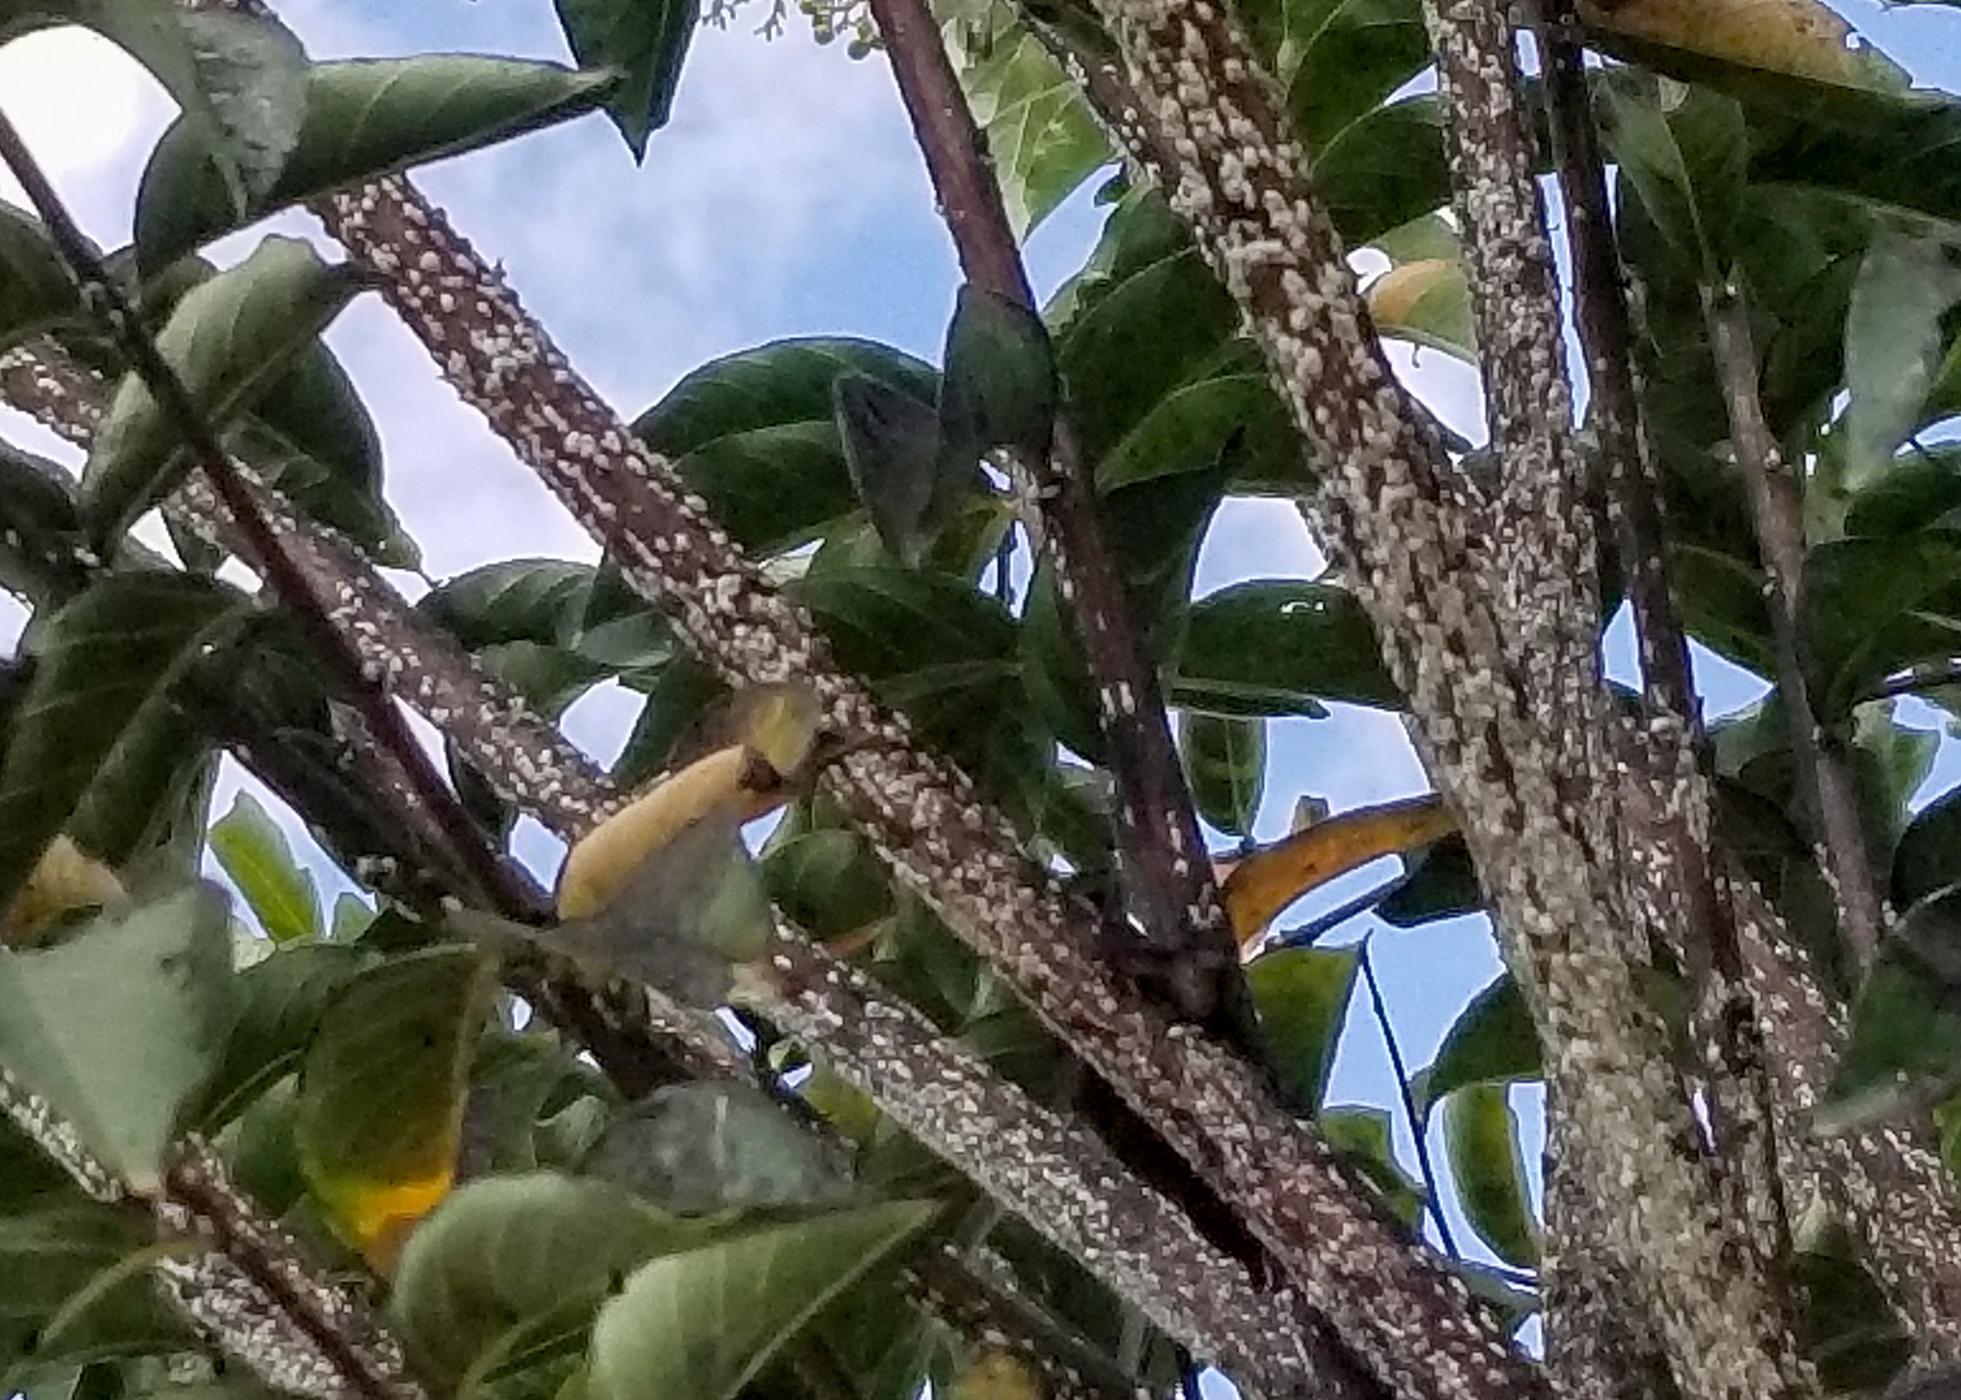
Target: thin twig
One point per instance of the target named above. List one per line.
(286, 578)
(1416, 1120)
(1824, 773)
(1919, 679)
(1158, 830)
(1318, 927)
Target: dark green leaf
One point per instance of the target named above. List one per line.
(120, 1026)
(1278, 647)
(707, 1320)
(252, 850)
(1854, 1336)
(1685, 157)
(1493, 1041)
(1384, 169)
(1225, 764)
(998, 387)
(229, 339)
(698, 1149)
(775, 487)
(682, 692)
(50, 1254)
(827, 882)
(279, 1001)
(101, 661)
(646, 42)
(1489, 1168)
(1302, 995)
(519, 1257)
(1920, 489)
(41, 538)
(1233, 419)
(1870, 607)
(1906, 1021)
(363, 119)
(783, 382)
(1443, 884)
(891, 444)
(1928, 858)
(36, 291)
(1339, 59)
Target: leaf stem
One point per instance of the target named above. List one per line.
(1417, 1123)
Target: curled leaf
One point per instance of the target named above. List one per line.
(1260, 886)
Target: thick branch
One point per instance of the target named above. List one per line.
(1157, 828)
(1824, 772)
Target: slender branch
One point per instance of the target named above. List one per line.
(1417, 1123)
(286, 578)
(1915, 682)
(1157, 826)
(1318, 927)
(1824, 771)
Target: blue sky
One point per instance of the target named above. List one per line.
(784, 199)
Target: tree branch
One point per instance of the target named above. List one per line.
(1824, 774)
(1157, 827)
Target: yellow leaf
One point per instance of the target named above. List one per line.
(737, 778)
(1802, 37)
(780, 722)
(996, 1373)
(1261, 885)
(66, 878)
(376, 1217)
(1395, 294)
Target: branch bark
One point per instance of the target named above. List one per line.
(1158, 830)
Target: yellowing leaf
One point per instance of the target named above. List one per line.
(1428, 301)
(779, 722)
(64, 879)
(737, 778)
(1260, 886)
(1804, 37)
(377, 1217)
(996, 1374)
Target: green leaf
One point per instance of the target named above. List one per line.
(1493, 1041)
(1856, 1339)
(782, 382)
(120, 1026)
(381, 1092)
(1870, 607)
(1225, 764)
(1489, 1168)
(1893, 347)
(1340, 59)
(1302, 995)
(1363, 1136)
(510, 1260)
(1233, 420)
(827, 883)
(1906, 1020)
(1927, 860)
(101, 662)
(279, 999)
(1043, 139)
(1427, 302)
(1443, 884)
(363, 120)
(756, 433)
(1277, 647)
(646, 43)
(36, 290)
(229, 339)
(891, 445)
(698, 1149)
(49, 1255)
(998, 388)
(706, 1321)
(1686, 161)
(41, 538)
(1156, 328)
(682, 693)
(252, 850)
(1918, 490)
(240, 79)
(1384, 169)
(150, 801)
